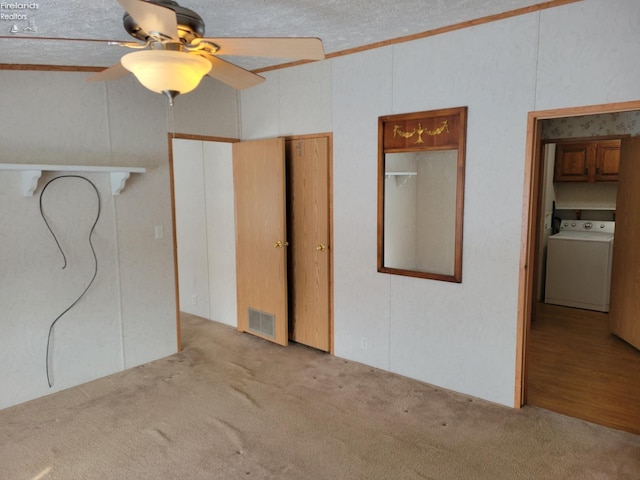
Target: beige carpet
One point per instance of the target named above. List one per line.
(233, 406)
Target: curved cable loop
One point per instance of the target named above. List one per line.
(93, 251)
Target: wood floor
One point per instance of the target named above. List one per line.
(576, 367)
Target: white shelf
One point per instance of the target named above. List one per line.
(31, 173)
(401, 177)
(409, 174)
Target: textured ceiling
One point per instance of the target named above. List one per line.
(340, 24)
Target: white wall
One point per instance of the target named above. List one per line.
(129, 315)
(586, 54)
(458, 336)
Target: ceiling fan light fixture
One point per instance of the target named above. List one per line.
(167, 71)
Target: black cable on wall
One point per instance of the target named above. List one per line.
(64, 257)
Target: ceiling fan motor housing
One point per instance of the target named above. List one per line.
(190, 24)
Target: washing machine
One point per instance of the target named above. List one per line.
(579, 265)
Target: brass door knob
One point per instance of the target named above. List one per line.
(321, 247)
(280, 244)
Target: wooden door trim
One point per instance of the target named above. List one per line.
(170, 137)
(203, 138)
(175, 240)
(529, 228)
(329, 137)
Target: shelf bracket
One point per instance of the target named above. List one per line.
(400, 177)
(30, 181)
(118, 180)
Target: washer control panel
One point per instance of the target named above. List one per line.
(595, 226)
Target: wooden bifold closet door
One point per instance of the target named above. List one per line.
(261, 238)
(309, 261)
(283, 239)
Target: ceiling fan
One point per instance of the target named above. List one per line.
(174, 54)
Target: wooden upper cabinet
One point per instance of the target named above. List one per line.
(596, 161)
(607, 161)
(572, 161)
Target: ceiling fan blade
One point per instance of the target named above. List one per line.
(111, 73)
(306, 48)
(233, 75)
(153, 18)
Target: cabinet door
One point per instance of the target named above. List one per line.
(607, 161)
(573, 161)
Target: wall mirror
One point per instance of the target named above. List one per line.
(421, 163)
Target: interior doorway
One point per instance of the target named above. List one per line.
(203, 226)
(554, 323)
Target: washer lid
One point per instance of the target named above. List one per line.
(583, 236)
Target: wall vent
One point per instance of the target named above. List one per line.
(262, 322)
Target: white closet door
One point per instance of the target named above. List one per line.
(191, 227)
(218, 180)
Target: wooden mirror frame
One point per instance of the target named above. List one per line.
(435, 130)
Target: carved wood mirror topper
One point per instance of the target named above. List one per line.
(441, 132)
(421, 159)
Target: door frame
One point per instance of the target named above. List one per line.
(170, 137)
(207, 138)
(329, 137)
(530, 225)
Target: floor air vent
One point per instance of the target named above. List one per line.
(262, 322)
